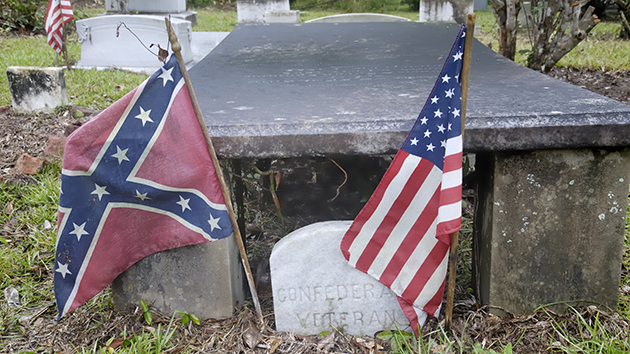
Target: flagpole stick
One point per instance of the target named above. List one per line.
(213, 155)
(64, 49)
(450, 294)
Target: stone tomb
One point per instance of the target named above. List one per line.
(329, 89)
(314, 287)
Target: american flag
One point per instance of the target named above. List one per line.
(401, 236)
(136, 179)
(59, 12)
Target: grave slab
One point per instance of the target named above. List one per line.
(314, 287)
(325, 89)
(205, 280)
(36, 89)
(102, 48)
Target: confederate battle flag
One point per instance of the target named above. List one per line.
(137, 179)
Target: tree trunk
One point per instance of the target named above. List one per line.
(557, 29)
(506, 14)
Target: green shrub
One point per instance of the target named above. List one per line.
(25, 15)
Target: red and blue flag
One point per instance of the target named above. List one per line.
(137, 179)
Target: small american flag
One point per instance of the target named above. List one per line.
(137, 179)
(59, 12)
(401, 236)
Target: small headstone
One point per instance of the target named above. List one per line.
(314, 287)
(36, 89)
(162, 8)
(28, 164)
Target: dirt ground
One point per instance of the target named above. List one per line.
(534, 333)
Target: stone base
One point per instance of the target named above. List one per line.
(100, 47)
(549, 227)
(36, 89)
(205, 280)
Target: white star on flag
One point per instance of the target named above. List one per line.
(63, 269)
(427, 133)
(141, 196)
(166, 76)
(79, 230)
(414, 141)
(438, 114)
(183, 203)
(121, 155)
(449, 93)
(445, 78)
(423, 120)
(144, 116)
(100, 191)
(458, 56)
(455, 112)
(430, 147)
(441, 128)
(434, 100)
(214, 223)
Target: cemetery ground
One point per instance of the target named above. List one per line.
(28, 205)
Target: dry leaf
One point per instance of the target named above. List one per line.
(327, 342)
(9, 208)
(116, 343)
(251, 334)
(275, 343)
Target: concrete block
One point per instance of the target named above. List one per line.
(314, 287)
(101, 48)
(253, 11)
(292, 16)
(36, 89)
(445, 10)
(549, 227)
(205, 280)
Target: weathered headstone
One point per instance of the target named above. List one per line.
(36, 89)
(253, 11)
(445, 10)
(205, 280)
(106, 43)
(314, 287)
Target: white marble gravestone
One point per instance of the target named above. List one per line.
(314, 287)
(256, 11)
(104, 44)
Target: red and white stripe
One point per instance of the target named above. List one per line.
(59, 12)
(401, 236)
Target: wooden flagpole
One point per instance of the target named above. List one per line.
(176, 47)
(450, 294)
(64, 48)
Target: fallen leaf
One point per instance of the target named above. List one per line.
(327, 342)
(116, 343)
(275, 343)
(251, 334)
